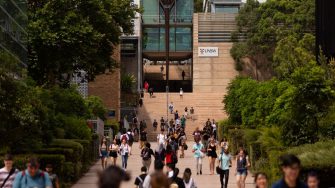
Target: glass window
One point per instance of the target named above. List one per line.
(184, 11)
(151, 39)
(150, 11)
(226, 9)
(183, 39)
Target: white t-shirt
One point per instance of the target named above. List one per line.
(214, 127)
(161, 138)
(177, 121)
(190, 184)
(3, 175)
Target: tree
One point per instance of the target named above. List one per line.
(67, 36)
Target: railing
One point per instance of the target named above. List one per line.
(160, 19)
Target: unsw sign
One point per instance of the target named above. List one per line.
(208, 51)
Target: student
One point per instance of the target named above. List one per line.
(188, 180)
(124, 150)
(146, 155)
(151, 181)
(140, 179)
(7, 173)
(155, 124)
(224, 165)
(211, 150)
(112, 176)
(32, 176)
(261, 180)
(312, 180)
(113, 151)
(290, 166)
(103, 152)
(198, 149)
(181, 93)
(53, 177)
(242, 165)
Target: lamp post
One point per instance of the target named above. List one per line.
(167, 5)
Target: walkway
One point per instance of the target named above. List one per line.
(134, 164)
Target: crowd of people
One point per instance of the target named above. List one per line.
(32, 176)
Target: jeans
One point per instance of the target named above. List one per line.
(198, 161)
(225, 175)
(124, 160)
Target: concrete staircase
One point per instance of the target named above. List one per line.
(206, 105)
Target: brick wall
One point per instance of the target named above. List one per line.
(107, 87)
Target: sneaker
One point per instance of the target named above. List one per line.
(197, 173)
(200, 172)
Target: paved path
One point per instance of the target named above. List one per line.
(89, 180)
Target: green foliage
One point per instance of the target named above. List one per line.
(292, 53)
(70, 144)
(280, 30)
(198, 6)
(96, 107)
(68, 36)
(127, 82)
(238, 51)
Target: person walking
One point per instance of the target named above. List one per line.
(161, 138)
(112, 176)
(146, 156)
(162, 121)
(214, 130)
(53, 177)
(146, 86)
(124, 150)
(170, 155)
(155, 124)
(242, 165)
(7, 173)
(224, 144)
(211, 150)
(183, 122)
(143, 138)
(198, 150)
(224, 163)
(181, 93)
(113, 151)
(103, 152)
(151, 92)
(183, 74)
(197, 134)
(32, 176)
(140, 179)
(261, 180)
(188, 180)
(171, 107)
(176, 115)
(290, 166)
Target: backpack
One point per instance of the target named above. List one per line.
(174, 158)
(41, 174)
(131, 137)
(141, 182)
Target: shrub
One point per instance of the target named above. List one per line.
(66, 143)
(87, 153)
(67, 152)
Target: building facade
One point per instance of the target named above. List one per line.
(222, 6)
(13, 34)
(153, 44)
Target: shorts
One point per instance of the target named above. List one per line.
(104, 154)
(113, 154)
(242, 172)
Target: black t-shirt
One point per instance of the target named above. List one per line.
(143, 136)
(138, 181)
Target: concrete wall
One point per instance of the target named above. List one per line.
(211, 74)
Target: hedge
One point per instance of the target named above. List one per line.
(67, 152)
(67, 143)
